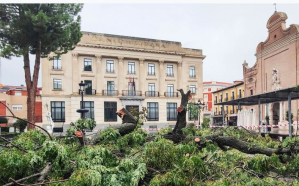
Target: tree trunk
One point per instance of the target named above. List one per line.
(125, 128)
(31, 84)
(181, 116)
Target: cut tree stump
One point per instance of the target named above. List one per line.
(126, 116)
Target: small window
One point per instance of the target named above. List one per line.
(192, 72)
(18, 93)
(171, 111)
(152, 111)
(192, 89)
(89, 105)
(56, 63)
(87, 64)
(17, 107)
(58, 111)
(170, 70)
(131, 68)
(57, 84)
(251, 92)
(151, 69)
(110, 66)
(110, 111)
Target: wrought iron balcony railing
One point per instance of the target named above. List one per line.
(152, 93)
(131, 93)
(110, 92)
(89, 92)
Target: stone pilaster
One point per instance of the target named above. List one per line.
(141, 76)
(76, 73)
(99, 78)
(179, 75)
(121, 77)
(161, 78)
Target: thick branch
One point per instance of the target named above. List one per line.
(44, 173)
(23, 179)
(125, 128)
(20, 148)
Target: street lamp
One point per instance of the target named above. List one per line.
(81, 91)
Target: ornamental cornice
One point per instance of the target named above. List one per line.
(120, 58)
(161, 61)
(141, 60)
(98, 57)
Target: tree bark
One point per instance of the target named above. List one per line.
(31, 84)
(125, 128)
(44, 173)
(181, 116)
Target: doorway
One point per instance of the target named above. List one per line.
(276, 110)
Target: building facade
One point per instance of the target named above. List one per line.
(120, 72)
(276, 67)
(208, 88)
(232, 92)
(15, 97)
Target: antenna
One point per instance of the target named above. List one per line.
(275, 6)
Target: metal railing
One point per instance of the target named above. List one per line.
(131, 93)
(131, 72)
(110, 71)
(89, 92)
(170, 75)
(152, 93)
(192, 75)
(110, 92)
(151, 73)
(87, 68)
(171, 94)
(56, 67)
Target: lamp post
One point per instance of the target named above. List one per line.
(81, 91)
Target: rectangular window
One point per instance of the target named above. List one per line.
(226, 111)
(240, 93)
(87, 64)
(89, 105)
(192, 72)
(110, 111)
(110, 88)
(192, 89)
(88, 87)
(171, 111)
(251, 92)
(58, 111)
(169, 70)
(151, 89)
(152, 111)
(170, 92)
(18, 93)
(226, 96)
(216, 99)
(110, 66)
(151, 69)
(56, 63)
(233, 95)
(131, 68)
(57, 84)
(17, 107)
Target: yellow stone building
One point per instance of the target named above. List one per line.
(230, 112)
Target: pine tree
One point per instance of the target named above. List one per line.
(37, 29)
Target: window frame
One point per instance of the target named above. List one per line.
(18, 93)
(56, 61)
(170, 70)
(110, 63)
(171, 109)
(87, 63)
(192, 87)
(17, 107)
(192, 71)
(56, 82)
(155, 111)
(131, 67)
(90, 108)
(62, 111)
(110, 111)
(151, 69)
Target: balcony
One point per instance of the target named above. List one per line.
(151, 73)
(171, 94)
(131, 72)
(110, 92)
(170, 74)
(192, 75)
(87, 68)
(131, 93)
(89, 92)
(151, 93)
(56, 68)
(110, 70)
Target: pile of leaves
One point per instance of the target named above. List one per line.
(140, 159)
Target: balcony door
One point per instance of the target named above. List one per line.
(170, 90)
(88, 87)
(151, 89)
(110, 88)
(131, 91)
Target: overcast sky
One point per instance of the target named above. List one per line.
(228, 34)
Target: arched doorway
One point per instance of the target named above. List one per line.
(276, 108)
